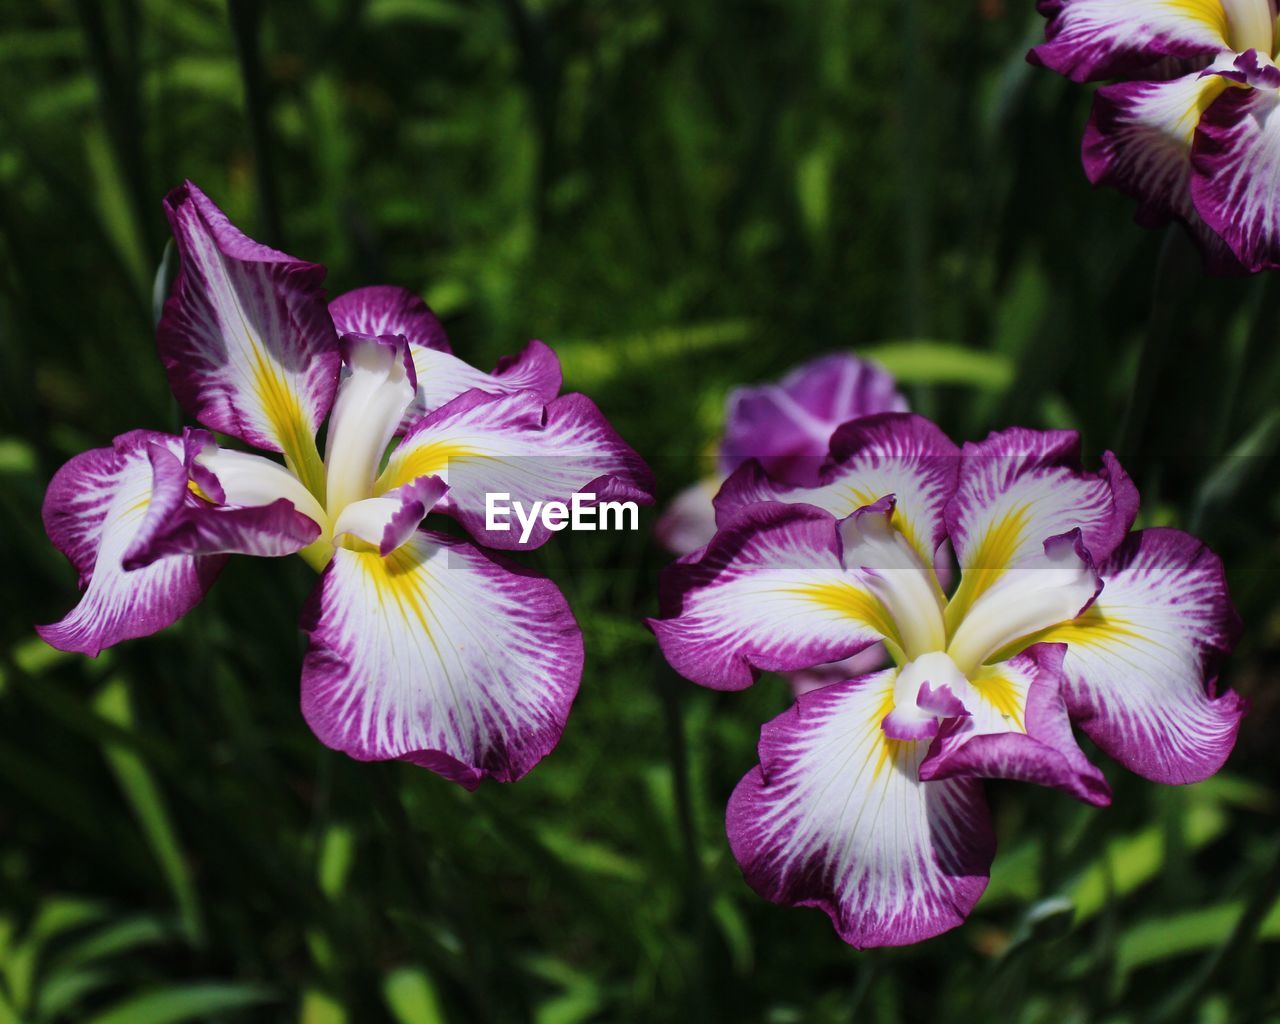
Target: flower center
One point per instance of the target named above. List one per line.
(1040, 590)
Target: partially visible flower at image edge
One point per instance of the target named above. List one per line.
(867, 801)
(787, 427)
(422, 647)
(1191, 128)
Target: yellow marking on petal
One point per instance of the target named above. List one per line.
(899, 521)
(424, 460)
(990, 560)
(1209, 12)
(848, 600)
(998, 690)
(888, 750)
(195, 489)
(287, 420)
(398, 584)
(1095, 629)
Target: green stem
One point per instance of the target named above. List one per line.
(246, 19)
(1175, 268)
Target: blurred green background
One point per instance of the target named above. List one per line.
(679, 197)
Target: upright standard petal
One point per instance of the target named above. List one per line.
(1142, 662)
(787, 426)
(95, 509)
(836, 817)
(442, 655)
(897, 454)
(516, 446)
(442, 377)
(1235, 163)
(245, 336)
(1091, 39)
(770, 593)
(1019, 488)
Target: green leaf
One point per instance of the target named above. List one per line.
(411, 997)
(148, 805)
(939, 362)
(1178, 934)
(176, 1003)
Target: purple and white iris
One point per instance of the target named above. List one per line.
(422, 647)
(1191, 129)
(787, 426)
(867, 801)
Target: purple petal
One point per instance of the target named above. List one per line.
(787, 426)
(837, 818)
(442, 377)
(95, 508)
(769, 593)
(390, 520)
(1019, 729)
(1235, 162)
(514, 444)
(1142, 663)
(385, 310)
(245, 334)
(897, 454)
(1091, 39)
(1139, 141)
(1017, 489)
(440, 654)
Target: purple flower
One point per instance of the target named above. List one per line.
(786, 427)
(422, 647)
(866, 802)
(1191, 128)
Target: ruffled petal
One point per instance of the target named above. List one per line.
(836, 817)
(245, 335)
(1142, 662)
(1139, 141)
(1017, 489)
(1235, 164)
(442, 377)
(1091, 39)
(788, 426)
(1016, 727)
(769, 593)
(95, 508)
(514, 445)
(689, 522)
(442, 655)
(897, 454)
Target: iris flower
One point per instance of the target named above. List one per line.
(787, 427)
(867, 801)
(1191, 130)
(422, 646)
